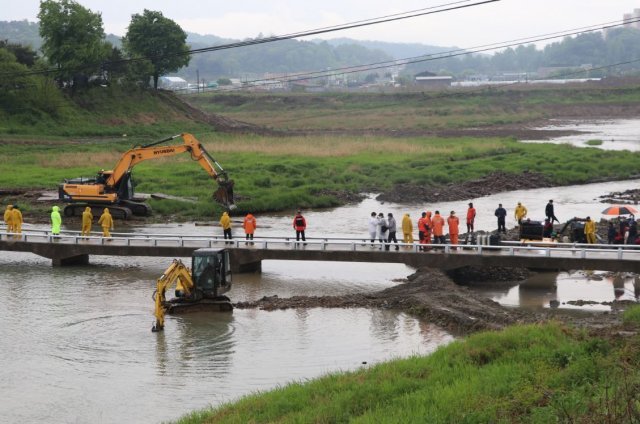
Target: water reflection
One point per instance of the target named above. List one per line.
(585, 290)
(77, 347)
(618, 134)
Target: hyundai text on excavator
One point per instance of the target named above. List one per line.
(198, 289)
(114, 188)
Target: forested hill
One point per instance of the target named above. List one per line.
(279, 57)
(395, 50)
(285, 56)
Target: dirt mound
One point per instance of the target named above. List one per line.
(627, 197)
(495, 182)
(429, 294)
(220, 123)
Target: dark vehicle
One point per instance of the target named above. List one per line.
(531, 230)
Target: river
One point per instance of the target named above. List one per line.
(77, 347)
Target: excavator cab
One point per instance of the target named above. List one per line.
(211, 273)
(200, 288)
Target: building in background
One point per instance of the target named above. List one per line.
(635, 15)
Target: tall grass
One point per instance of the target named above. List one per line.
(279, 174)
(526, 374)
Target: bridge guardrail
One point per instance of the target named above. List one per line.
(569, 250)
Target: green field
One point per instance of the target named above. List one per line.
(312, 170)
(525, 374)
(412, 111)
(285, 173)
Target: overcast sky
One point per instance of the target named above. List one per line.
(494, 22)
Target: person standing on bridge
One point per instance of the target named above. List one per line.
(382, 229)
(590, 231)
(373, 228)
(56, 221)
(520, 213)
(422, 230)
(407, 229)
(501, 214)
(16, 220)
(225, 223)
(87, 221)
(249, 224)
(8, 215)
(391, 224)
(299, 224)
(471, 218)
(631, 238)
(106, 222)
(428, 225)
(454, 227)
(437, 223)
(549, 212)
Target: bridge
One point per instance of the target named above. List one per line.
(70, 248)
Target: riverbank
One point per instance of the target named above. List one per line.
(545, 372)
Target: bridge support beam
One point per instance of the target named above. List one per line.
(240, 268)
(540, 281)
(72, 260)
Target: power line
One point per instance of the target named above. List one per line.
(431, 57)
(446, 7)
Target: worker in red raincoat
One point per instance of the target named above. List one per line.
(422, 229)
(471, 217)
(437, 225)
(249, 224)
(427, 236)
(299, 224)
(453, 222)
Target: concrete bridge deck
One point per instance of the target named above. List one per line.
(69, 248)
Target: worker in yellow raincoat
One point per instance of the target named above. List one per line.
(520, 213)
(106, 222)
(407, 229)
(225, 223)
(7, 218)
(590, 230)
(87, 220)
(16, 219)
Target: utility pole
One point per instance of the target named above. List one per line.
(198, 80)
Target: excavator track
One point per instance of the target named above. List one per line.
(117, 212)
(137, 208)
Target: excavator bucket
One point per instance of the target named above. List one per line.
(224, 194)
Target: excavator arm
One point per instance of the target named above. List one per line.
(132, 157)
(138, 154)
(176, 273)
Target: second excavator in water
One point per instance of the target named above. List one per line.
(114, 188)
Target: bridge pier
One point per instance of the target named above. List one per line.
(540, 281)
(239, 268)
(72, 260)
(243, 260)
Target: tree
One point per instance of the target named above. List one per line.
(73, 39)
(24, 54)
(158, 39)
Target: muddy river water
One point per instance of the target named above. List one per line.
(76, 344)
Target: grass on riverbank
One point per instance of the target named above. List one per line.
(286, 173)
(102, 112)
(525, 374)
(410, 111)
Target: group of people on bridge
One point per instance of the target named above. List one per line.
(249, 224)
(14, 220)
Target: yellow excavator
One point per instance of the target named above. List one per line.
(198, 289)
(114, 188)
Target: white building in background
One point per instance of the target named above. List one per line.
(635, 15)
(172, 83)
